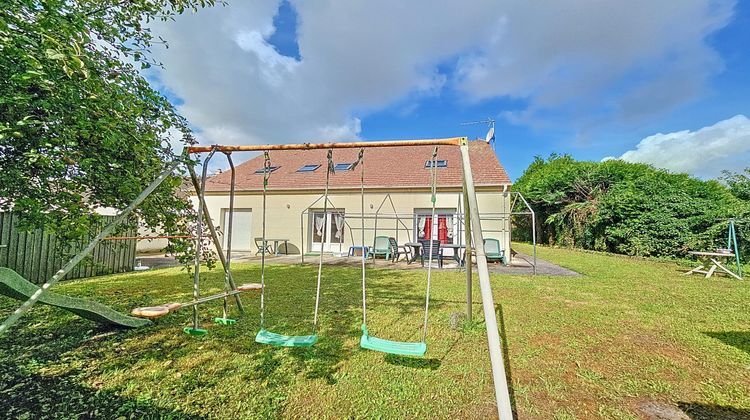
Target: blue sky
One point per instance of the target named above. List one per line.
(664, 84)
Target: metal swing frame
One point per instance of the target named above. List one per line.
(474, 228)
(493, 337)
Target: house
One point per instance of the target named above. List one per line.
(397, 183)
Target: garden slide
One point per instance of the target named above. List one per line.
(17, 287)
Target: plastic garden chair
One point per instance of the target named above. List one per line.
(260, 243)
(397, 250)
(493, 252)
(437, 252)
(381, 247)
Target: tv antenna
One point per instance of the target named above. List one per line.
(490, 137)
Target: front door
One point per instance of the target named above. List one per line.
(328, 226)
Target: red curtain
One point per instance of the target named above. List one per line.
(442, 230)
(427, 228)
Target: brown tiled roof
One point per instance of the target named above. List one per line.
(385, 167)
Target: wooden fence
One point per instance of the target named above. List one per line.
(33, 254)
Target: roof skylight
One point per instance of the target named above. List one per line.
(263, 170)
(438, 163)
(343, 166)
(309, 168)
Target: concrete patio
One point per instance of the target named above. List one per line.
(521, 264)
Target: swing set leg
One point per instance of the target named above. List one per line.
(224, 320)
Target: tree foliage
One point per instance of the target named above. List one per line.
(80, 127)
(738, 183)
(628, 208)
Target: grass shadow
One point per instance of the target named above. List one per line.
(506, 356)
(701, 411)
(413, 362)
(52, 339)
(61, 396)
(26, 393)
(738, 339)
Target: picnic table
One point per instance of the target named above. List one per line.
(711, 260)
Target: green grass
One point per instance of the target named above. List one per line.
(625, 333)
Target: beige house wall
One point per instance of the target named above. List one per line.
(284, 218)
(150, 246)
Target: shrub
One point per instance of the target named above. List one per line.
(628, 208)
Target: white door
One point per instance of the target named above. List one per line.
(242, 224)
(329, 225)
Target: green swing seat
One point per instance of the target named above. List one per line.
(267, 337)
(400, 348)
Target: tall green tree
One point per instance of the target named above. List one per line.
(738, 183)
(80, 127)
(627, 208)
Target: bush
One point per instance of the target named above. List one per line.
(628, 208)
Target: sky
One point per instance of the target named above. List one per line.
(660, 82)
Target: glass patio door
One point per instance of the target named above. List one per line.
(443, 228)
(329, 225)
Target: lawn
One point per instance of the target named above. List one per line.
(627, 338)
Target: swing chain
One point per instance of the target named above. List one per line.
(323, 240)
(330, 162)
(434, 175)
(266, 175)
(266, 168)
(361, 161)
(429, 261)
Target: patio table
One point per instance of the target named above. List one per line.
(711, 259)
(275, 247)
(456, 251)
(416, 251)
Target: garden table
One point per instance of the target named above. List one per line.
(416, 251)
(261, 244)
(276, 245)
(456, 251)
(711, 260)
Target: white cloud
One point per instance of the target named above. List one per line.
(597, 59)
(619, 58)
(704, 152)
(274, 67)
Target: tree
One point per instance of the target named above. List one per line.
(80, 127)
(628, 208)
(738, 183)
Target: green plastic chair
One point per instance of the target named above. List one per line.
(382, 246)
(493, 252)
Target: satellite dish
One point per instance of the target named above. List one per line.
(490, 137)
